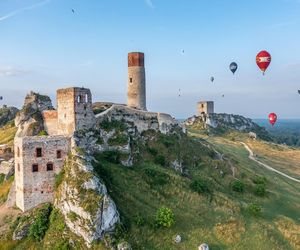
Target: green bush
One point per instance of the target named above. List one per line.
(260, 190)
(160, 160)
(59, 178)
(40, 225)
(165, 217)
(2, 177)
(200, 186)
(110, 125)
(119, 139)
(72, 216)
(260, 180)
(42, 133)
(254, 209)
(155, 177)
(238, 186)
(152, 151)
(111, 156)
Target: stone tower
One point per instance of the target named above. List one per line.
(136, 93)
(205, 107)
(74, 110)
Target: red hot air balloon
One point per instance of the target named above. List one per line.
(272, 118)
(263, 60)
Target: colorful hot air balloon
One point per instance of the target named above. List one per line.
(263, 60)
(212, 79)
(272, 118)
(233, 67)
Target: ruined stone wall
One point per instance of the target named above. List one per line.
(74, 108)
(142, 120)
(205, 107)
(65, 111)
(50, 121)
(34, 188)
(84, 115)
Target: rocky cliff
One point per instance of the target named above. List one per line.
(29, 119)
(224, 122)
(7, 114)
(83, 200)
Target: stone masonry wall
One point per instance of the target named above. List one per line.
(50, 121)
(34, 188)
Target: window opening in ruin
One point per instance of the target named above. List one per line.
(84, 107)
(202, 105)
(130, 79)
(18, 152)
(35, 168)
(58, 154)
(65, 115)
(84, 115)
(79, 99)
(38, 152)
(50, 167)
(86, 98)
(18, 167)
(42, 192)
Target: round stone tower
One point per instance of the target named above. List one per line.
(136, 92)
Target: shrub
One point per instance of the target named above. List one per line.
(59, 178)
(72, 216)
(254, 209)
(110, 125)
(119, 139)
(2, 177)
(40, 225)
(139, 220)
(260, 180)
(152, 151)
(155, 177)
(200, 186)
(165, 217)
(238, 186)
(160, 159)
(42, 133)
(260, 190)
(111, 156)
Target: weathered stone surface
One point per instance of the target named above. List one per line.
(124, 246)
(203, 246)
(7, 114)
(142, 120)
(21, 231)
(83, 200)
(30, 120)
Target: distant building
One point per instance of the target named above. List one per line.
(205, 107)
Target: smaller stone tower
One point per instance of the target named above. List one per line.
(205, 107)
(136, 93)
(74, 110)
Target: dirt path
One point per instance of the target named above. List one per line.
(252, 157)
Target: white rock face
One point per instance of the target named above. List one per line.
(177, 239)
(203, 246)
(83, 200)
(142, 120)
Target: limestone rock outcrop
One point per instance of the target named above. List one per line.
(83, 200)
(30, 120)
(227, 121)
(7, 114)
(142, 120)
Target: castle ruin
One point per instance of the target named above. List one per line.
(39, 158)
(205, 108)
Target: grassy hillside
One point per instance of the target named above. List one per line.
(229, 204)
(7, 133)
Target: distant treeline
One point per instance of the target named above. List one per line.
(284, 132)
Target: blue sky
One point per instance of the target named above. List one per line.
(44, 46)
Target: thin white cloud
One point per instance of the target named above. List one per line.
(18, 11)
(149, 3)
(11, 71)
